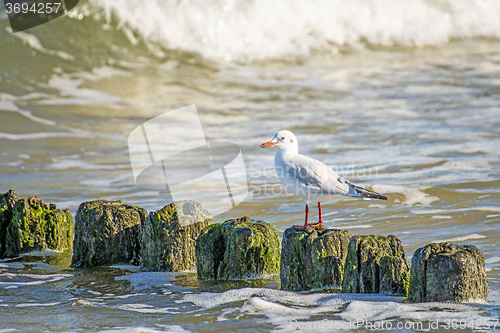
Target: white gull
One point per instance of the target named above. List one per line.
(309, 178)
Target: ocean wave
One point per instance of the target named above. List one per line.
(260, 29)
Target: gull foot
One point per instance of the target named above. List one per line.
(317, 224)
(300, 227)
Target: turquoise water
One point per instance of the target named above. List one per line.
(408, 109)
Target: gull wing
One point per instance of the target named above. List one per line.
(318, 177)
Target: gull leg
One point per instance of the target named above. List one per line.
(305, 222)
(320, 222)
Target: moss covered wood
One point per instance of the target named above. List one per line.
(448, 272)
(107, 233)
(376, 264)
(7, 202)
(35, 225)
(238, 249)
(169, 236)
(313, 259)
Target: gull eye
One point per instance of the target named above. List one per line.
(282, 138)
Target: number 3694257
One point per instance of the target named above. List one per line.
(35, 7)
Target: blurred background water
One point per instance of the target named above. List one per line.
(401, 97)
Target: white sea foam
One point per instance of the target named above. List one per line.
(69, 87)
(210, 300)
(492, 264)
(441, 217)
(12, 265)
(147, 280)
(7, 105)
(413, 195)
(140, 329)
(40, 266)
(460, 238)
(41, 253)
(292, 310)
(35, 44)
(72, 133)
(30, 279)
(261, 29)
(479, 208)
(419, 312)
(26, 305)
(130, 268)
(65, 164)
(359, 226)
(145, 308)
(492, 260)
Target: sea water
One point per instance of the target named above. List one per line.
(400, 97)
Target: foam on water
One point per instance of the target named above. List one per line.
(145, 308)
(35, 44)
(413, 195)
(358, 226)
(13, 265)
(27, 305)
(461, 238)
(130, 268)
(140, 329)
(287, 309)
(41, 253)
(235, 30)
(75, 162)
(72, 133)
(73, 94)
(10, 106)
(148, 280)
(441, 217)
(24, 280)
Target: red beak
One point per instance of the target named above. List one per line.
(267, 144)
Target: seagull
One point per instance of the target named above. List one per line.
(310, 179)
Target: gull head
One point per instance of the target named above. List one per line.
(283, 140)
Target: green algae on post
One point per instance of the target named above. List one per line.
(7, 202)
(107, 233)
(313, 259)
(447, 272)
(238, 249)
(376, 264)
(30, 224)
(169, 236)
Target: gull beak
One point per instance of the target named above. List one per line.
(267, 144)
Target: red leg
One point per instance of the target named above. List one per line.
(305, 222)
(320, 222)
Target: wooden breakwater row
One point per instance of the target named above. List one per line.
(182, 236)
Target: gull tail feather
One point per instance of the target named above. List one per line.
(366, 194)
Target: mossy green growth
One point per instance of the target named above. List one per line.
(7, 202)
(447, 272)
(37, 226)
(210, 248)
(169, 236)
(107, 233)
(238, 249)
(313, 258)
(376, 264)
